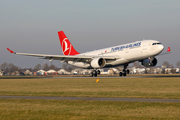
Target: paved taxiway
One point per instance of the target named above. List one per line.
(49, 77)
(153, 76)
(92, 99)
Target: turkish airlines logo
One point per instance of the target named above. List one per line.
(66, 46)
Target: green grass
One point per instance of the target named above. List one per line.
(106, 87)
(86, 110)
(21, 109)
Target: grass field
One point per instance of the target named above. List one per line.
(18, 109)
(13, 109)
(106, 87)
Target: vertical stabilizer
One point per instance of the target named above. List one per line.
(66, 45)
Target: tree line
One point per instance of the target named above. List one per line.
(10, 67)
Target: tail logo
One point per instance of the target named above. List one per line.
(66, 46)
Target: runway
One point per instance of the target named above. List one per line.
(150, 76)
(93, 99)
(62, 77)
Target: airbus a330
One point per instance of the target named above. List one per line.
(121, 55)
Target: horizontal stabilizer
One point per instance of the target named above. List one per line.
(168, 51)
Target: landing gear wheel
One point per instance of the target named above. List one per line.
(98, 72)
(124, 74)
(120, 74)
(127, 71)
(93, 73)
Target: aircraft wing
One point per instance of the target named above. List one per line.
(65, 58)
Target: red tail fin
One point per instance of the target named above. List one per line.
(67, 47)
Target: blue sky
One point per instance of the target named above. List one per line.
(31, 26)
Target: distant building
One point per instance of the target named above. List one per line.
(34, 73)
(177, 70)
(104, 71)
(1, 72)
(41, 72)
(16, 73)
(158, 70)
(80, 71)
(27, 72)
(63, 72)
(138, 70)
(51, 72)
(76, 71)
(86, 72)
(168, 70)
(111, 72)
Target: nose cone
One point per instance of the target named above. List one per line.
(161, 48)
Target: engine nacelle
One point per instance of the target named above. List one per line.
(148, 63)
(98, 62)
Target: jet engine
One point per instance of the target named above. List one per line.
(149, 62)
(98, 62)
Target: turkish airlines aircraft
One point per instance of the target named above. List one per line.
(142, 51)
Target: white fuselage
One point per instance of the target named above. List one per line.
(126, 53)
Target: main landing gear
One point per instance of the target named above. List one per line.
(125, 72)
(95, 73)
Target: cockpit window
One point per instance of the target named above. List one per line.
(156, 44)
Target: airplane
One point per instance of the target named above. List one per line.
(121, 55)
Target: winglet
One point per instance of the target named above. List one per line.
(10, 50)
(169, 49)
